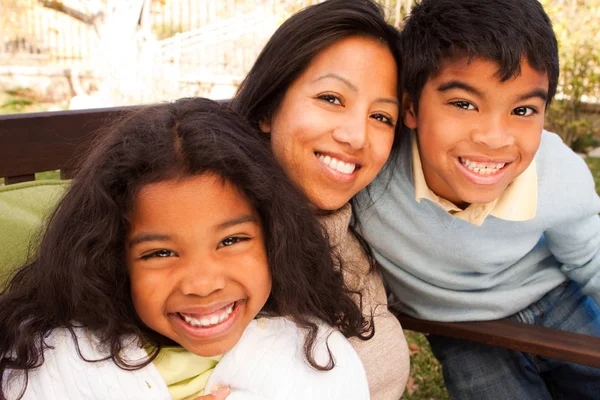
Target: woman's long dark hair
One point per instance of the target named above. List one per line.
(291, 49)
(79, 276)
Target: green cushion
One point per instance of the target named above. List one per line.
(24, 208)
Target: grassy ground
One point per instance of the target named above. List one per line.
(594, 164)
(426, 381)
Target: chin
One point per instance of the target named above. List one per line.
(329, 205)
(480, 198)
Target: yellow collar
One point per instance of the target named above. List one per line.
(517, 203)
(184, 372)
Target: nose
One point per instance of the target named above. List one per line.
(352, 131)
(201, 277)
(494, 134)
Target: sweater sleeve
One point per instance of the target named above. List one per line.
(268, 364)
(575, 239)
(64, 374)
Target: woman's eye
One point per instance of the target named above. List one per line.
(158, 254)
(330, 98)
(465, 105)
(230, 241)
(524, 111)
(383, 118)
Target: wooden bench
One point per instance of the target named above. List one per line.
(31, 143)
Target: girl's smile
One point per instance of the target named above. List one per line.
(211, 325)
(197, 262)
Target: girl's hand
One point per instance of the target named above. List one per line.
(220, 393)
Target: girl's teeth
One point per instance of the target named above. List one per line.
(208, 321)
(340, 166)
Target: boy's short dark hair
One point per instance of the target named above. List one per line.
(499, 30)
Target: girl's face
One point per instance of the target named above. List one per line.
(197, 262)
(334, 128)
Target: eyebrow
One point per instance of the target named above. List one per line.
(147, 237)
(237, 221)
(539, 93)
(151, 237)
(353, 87)
(444, 87)
(339, 78)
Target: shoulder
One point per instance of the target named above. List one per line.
(272, 351)
(555, 158)
(74, 366)
(566, 186)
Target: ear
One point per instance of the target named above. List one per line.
(265, 125)
(408, 112)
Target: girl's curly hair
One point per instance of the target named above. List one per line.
(79, 276)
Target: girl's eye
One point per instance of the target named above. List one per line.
(330, 98)
(383, 118)
(465, 105)
(230, 241)
(524, 111)
(158, 254)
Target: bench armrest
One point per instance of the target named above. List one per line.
(533, 339)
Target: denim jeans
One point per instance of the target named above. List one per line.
(480, 372)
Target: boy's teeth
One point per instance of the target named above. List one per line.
(209, 321)
(340, 166)
(482, 168)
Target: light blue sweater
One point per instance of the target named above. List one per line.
(445, 269)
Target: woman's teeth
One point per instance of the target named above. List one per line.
(482, 168)
(333, 163)
(214, 319)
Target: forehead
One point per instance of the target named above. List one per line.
(355, 57)
(484, 71)
(195, 200)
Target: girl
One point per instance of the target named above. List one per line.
(177, 231)
(324, 91)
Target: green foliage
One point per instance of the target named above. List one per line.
(576, 28)
(594, 164)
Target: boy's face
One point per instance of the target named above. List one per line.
(476, 134)
(197, 262)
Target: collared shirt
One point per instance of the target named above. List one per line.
(517, 203)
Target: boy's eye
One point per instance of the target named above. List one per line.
(330, 98)
(158, 254)
(383, 118)
(230, 241)
(465, 105)
(524, 111)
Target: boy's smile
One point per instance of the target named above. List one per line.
(475, 133)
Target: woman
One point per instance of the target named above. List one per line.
(324, 91)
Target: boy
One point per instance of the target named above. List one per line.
(485, 215)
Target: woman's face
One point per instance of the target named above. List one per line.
(334, 128)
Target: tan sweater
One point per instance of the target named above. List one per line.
(385, 356)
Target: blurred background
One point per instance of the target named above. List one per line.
(74, 54)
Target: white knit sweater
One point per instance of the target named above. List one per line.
(267, 363)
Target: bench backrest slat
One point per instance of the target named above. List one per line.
(46, 141)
